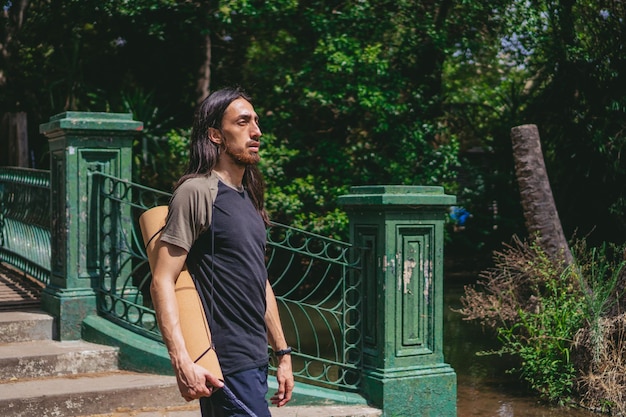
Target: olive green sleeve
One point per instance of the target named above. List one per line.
(189, 214)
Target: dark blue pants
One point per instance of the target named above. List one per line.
(247, 387)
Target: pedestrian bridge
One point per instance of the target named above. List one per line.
(364, 318)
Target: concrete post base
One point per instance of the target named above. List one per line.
(69, 308)
(428, 392)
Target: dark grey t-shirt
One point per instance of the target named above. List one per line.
(227, 262)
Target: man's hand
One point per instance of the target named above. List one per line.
(284, 376)
(194, 382)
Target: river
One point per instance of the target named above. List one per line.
(484, 389)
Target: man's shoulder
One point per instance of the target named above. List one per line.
(199, 184)
(197, 181)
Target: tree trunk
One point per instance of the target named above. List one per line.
(13, 20)
(542, 218)
(14, 138)
(204, 79)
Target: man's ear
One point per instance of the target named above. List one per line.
(215, 136)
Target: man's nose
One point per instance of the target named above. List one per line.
(256, 131)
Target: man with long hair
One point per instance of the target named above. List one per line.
(216, 227)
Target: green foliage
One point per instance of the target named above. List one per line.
(559, 65)
(542, 338)
(160, 153)
(555, 318)
(80, 55)
(575, 78)
(347, 97)
(160, 160)
(598, 271)
(542, 320)
(285, 203)
(366, 91)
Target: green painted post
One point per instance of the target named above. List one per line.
(80, 143)
(401, 228)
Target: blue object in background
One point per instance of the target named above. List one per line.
(459, 215)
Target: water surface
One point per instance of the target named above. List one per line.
(484, 389)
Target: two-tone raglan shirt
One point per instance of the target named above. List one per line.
(225, 240)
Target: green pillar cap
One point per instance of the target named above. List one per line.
(411, 195)
(75, 120)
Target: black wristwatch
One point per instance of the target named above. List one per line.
(283, 352)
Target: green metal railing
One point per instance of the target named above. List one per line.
(316, 281)
(25, 220)
(317, 285)
(124, 293)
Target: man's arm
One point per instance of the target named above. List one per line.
(193, 380)
(284, 374)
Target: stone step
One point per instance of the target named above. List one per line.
(45, 378)
(81, 395)
(24, 326)
(46, 358)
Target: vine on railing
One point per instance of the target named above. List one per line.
(316, 281)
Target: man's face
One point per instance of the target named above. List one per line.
(241, 133)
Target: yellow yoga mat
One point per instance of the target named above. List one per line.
(193, 320)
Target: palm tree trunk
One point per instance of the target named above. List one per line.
(542, 218)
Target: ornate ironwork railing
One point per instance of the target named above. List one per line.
(317, 286)
(315, 279)
(124, 293)
(25, 220)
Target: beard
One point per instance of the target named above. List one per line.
(241, 156)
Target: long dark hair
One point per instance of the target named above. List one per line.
(204, 154)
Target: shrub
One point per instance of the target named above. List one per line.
(556, 319)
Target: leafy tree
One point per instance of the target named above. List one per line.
(93, 55)
(559, 65)
(356, 88)
(359, 92)
(577, 100)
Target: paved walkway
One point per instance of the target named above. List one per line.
(287, 411)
